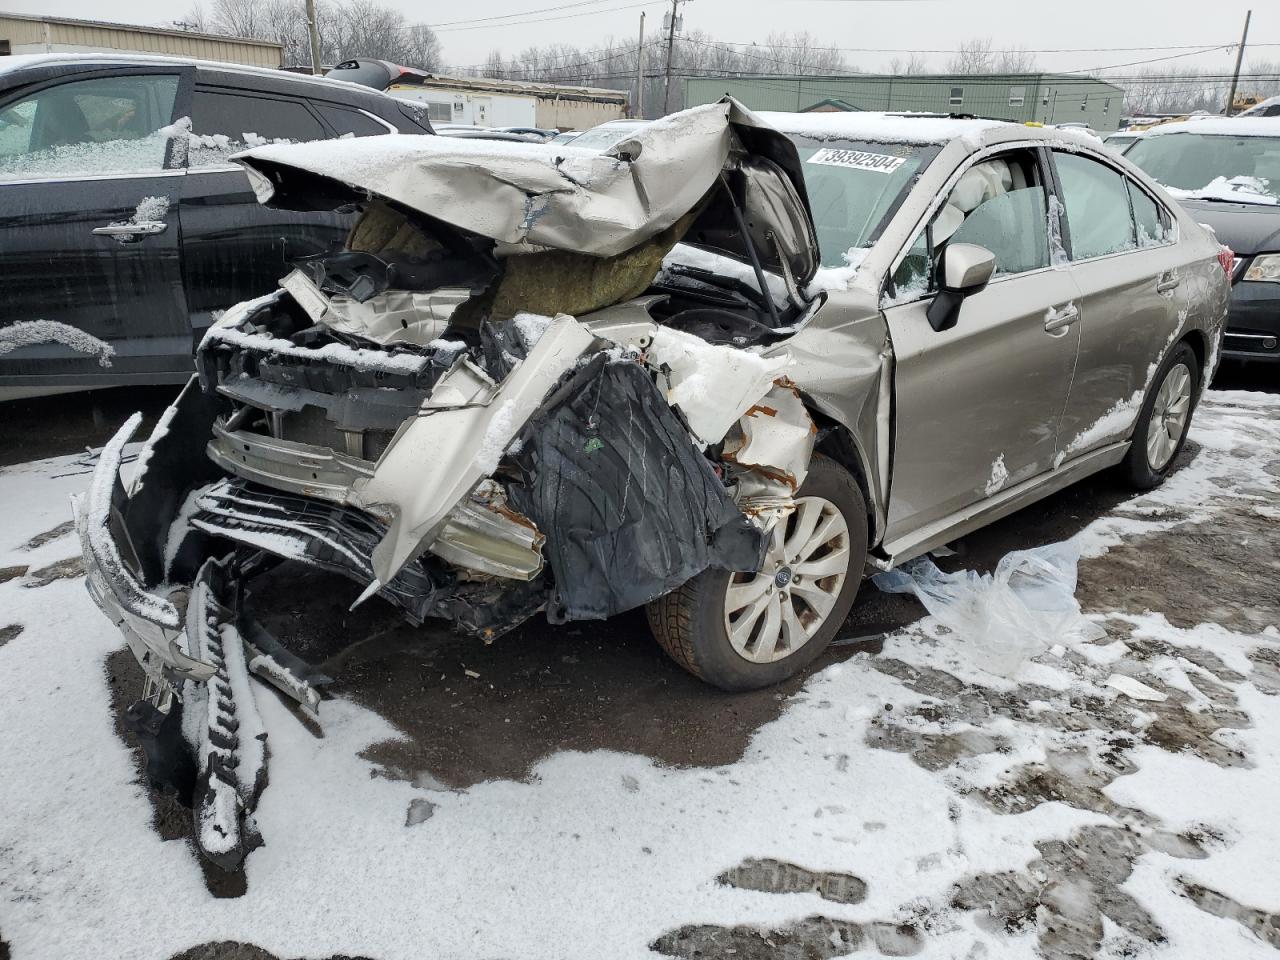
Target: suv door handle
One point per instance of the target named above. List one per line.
(1057, 320)
(1168, 281)
(131, 232)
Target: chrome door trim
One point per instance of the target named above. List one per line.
(134, 175)
(391, 128)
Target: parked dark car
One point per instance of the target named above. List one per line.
(1226, 173)
(126, 228)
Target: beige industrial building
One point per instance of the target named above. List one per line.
(488, 102)
(20, 33)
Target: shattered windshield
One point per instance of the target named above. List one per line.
(854, 186)
(1244, 169)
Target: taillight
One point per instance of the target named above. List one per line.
(1227, 258)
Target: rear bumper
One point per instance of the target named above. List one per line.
(1253, 325)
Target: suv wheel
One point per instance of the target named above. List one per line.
(742, 631)
(1162, 424)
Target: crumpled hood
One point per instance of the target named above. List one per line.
(529, 194)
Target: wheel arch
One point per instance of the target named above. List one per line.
(837, 442)
(1197, 340)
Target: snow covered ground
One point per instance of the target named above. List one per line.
(905, 803)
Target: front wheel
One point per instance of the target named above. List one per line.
(743, 631)
(1164, 420)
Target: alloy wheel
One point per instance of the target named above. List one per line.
(1169, 416)
(771, 614)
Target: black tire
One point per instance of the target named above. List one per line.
(689, 623)
(1136, 467)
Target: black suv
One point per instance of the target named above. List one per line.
(122, 217)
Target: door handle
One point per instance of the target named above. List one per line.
(131, 232)
(1056, 320)
(1167, 282)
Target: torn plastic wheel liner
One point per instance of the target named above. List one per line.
(631, 509)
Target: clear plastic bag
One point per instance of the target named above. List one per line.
(1024, 608)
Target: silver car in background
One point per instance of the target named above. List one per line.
(720, 370)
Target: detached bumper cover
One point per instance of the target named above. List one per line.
(151, 623)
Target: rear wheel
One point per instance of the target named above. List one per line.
(1163, 422)
(742, 631)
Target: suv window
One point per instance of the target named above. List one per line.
(100, 126)
(223, 123)
(1096, 199)
(344, 120)
(999, 204)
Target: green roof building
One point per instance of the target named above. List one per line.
(1040, 97)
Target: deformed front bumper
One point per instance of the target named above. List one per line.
(152, 623)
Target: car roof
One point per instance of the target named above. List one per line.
(31, 61)
(878, 127)
(1220, 126)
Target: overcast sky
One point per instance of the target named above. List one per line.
(877, 24)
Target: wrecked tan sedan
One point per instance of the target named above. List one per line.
(719, 371)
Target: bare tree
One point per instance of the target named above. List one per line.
(1188, 89)
(1016, 60)
(914, 64)
(973, 56)
(347, 28)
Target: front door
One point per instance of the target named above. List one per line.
(1129, 272)
(977, 407)
(89, 192)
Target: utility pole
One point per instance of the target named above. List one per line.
(1235, 77)
(639, 110)
(315, 37)
(671, 39)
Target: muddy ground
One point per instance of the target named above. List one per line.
(542, 689)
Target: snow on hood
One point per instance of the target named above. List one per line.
(532, 194)
(1240, 189)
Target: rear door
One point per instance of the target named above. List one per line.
(1129, 270)
(234, 248)
(977, 407)
(89, 190)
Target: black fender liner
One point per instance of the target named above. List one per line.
(630, 508)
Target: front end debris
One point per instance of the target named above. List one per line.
(400, 415)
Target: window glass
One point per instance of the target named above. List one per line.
(957, 95)
(999, 204)
(1097, 205)
(1212, 166)
(348, 121)
(87, 127)
(1147, 216)
(1017, 96)
(853, 187)
(439, 112)
(226, 123)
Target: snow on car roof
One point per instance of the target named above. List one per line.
(1261, 106)
(1220, 126)
(883, 127)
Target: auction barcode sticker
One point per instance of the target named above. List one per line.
(878, 162)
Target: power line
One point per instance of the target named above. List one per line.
(567, 16)
(523, 13)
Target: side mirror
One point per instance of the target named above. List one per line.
(963, 270)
